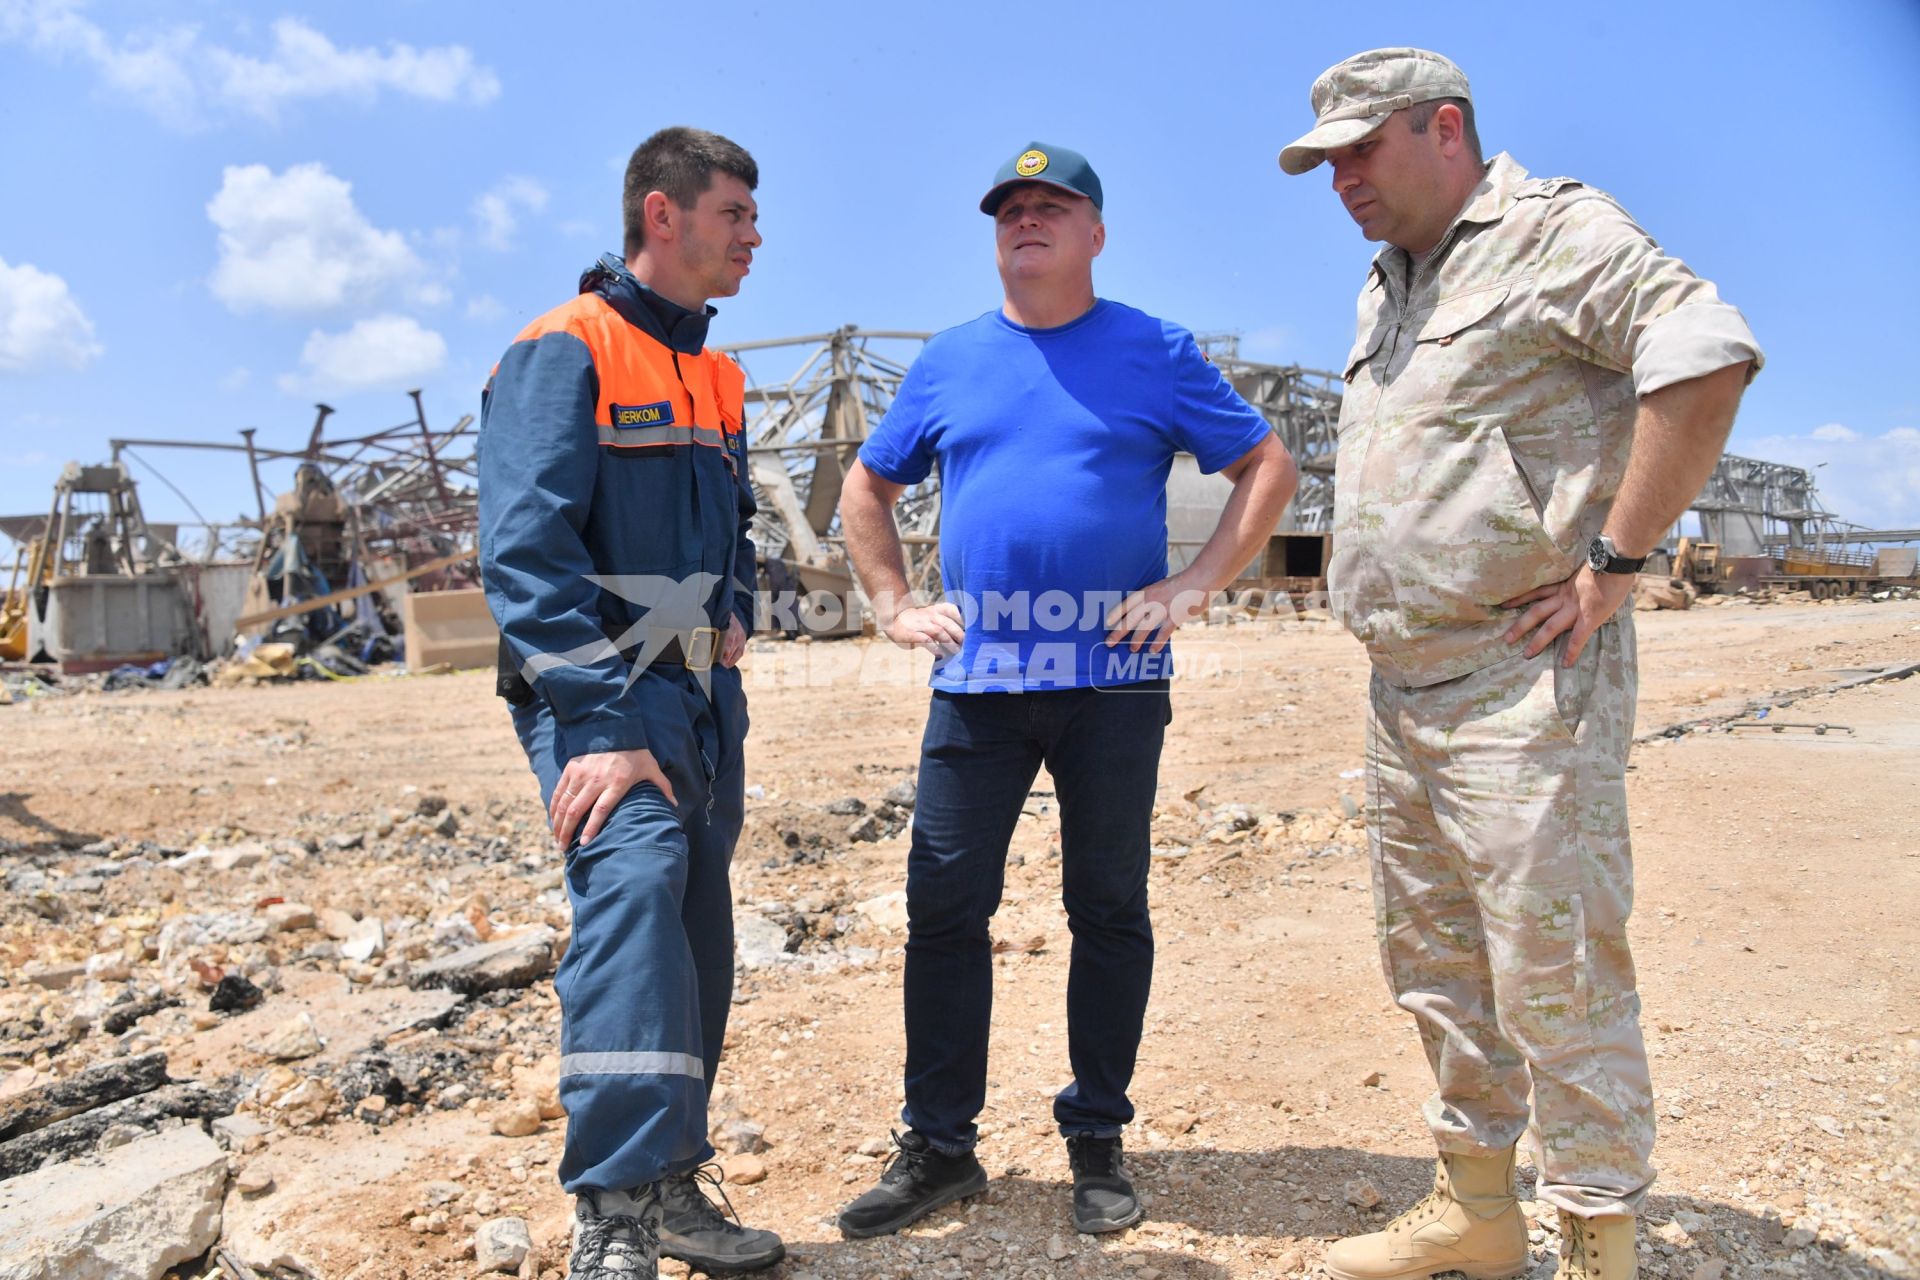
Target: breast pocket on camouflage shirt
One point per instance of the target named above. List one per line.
(1462, 507)
(1465, 327)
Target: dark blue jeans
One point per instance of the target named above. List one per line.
(977, 762)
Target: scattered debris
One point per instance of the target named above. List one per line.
(502, 1244)
(491, 966)
(133, 1212)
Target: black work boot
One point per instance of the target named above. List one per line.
(1103, 1196)
(616, 1235)
(693, 1230)
(918, 1181)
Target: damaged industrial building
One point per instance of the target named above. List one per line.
(365, 552)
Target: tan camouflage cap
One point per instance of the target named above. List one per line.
(1353, 98)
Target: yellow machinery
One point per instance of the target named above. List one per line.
(1698, 563)
(14, 604)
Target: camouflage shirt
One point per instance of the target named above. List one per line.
(1490, 404)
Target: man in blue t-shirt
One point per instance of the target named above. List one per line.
(1054, 421)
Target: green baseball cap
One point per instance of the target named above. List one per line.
(1055, 166)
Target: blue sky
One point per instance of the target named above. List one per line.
(216, 213)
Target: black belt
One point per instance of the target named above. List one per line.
(693, 648)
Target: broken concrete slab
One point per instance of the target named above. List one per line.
(127, 1215)
(283, 917)
(297, 1037)
(240, 1132)
(758, 943)
(365, 940)
(78, 1135)
(502, 1244)
(504, 963)
(96, 1086)
(55, 977)
(887, 911)
(348, 1019)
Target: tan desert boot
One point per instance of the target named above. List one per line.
(1596, 1248)
(1469, 1223)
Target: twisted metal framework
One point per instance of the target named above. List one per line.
(410, 492)
(1749, 504)
(1304, 407)
(804, 428)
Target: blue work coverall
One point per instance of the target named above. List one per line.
(614, 514)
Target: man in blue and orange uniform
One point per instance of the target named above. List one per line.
(614, 508)
(1054, 420)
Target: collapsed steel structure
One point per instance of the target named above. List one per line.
(811, 400)
(408, 492)
(1304, 407)
(401, 503)
(1749, 504)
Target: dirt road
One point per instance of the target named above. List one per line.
(1278, 1088)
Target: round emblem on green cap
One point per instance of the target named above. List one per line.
(1030, 163)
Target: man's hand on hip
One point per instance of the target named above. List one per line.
(1153, 613)
(734, 643)
(591, 785)
(1576, 606)
(937, 628)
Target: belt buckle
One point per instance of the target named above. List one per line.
(702, 644)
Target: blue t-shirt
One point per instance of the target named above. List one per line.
(1054, 447)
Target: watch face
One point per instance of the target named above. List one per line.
(1597, 555)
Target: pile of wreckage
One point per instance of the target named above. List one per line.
(367, 556)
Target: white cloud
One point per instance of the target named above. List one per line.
(485, 307)
(236, 378)
(385, 353)
(1863, 479)
(180, 78)
(297, 242)
(41, 326)
(305, 64)
(498, 211)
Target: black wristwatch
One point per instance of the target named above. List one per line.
(1603, 557)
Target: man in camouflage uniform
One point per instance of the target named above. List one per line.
(1535, 395)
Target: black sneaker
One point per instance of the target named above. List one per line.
(918, 1181)
(693, 1230)
(1103, 1196)
(616, 1235)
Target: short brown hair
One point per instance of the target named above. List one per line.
(1420, 115)
(679, 163)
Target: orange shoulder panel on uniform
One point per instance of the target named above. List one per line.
(644, 401)
(579, 316)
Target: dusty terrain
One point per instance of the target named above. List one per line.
(1278, 1089)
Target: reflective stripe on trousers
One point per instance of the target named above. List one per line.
(647, 980)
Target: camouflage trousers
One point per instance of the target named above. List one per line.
(1502, 881)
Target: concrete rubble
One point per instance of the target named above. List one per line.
(362, 998)
(127, 1215)
(228, 985)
